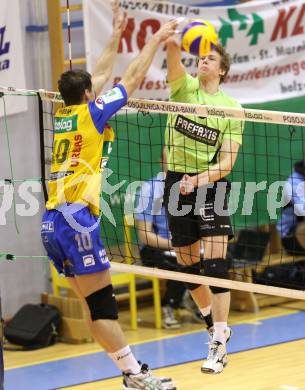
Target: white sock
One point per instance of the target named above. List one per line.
(125, 360)
(205, 311)
(219, 332)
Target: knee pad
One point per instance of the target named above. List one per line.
(102, 304)
(217, 268)
(193, 269)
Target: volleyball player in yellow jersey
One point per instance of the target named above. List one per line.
(70, 227)
(201, 152)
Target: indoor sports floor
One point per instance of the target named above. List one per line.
(266, 353)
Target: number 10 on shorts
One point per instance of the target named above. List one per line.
(84, 242)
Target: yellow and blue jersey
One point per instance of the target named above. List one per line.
(80, 134)
(109, 136)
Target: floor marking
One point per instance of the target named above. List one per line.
(157, 338)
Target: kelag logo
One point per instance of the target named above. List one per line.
(65, 124)
(4, 49)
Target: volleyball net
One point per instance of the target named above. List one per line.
(272, 143)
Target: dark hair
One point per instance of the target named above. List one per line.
(72, 85)
(225, 61)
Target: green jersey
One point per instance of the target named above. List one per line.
(193, 142)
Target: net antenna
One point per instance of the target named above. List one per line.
(69, 34)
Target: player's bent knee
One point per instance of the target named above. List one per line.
(102, 304)
(193, 269)
(217, 268)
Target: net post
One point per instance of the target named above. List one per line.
(56, 40)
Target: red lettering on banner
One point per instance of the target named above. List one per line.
(145, 24)
(298, 29)
(149, 85)
(159, 85)
(281, 26)
(127, 36)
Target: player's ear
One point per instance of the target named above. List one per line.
(88, 94)
(222, 72)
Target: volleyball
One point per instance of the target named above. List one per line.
(199, 37)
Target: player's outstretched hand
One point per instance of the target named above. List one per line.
(119, 17)
(167, 30)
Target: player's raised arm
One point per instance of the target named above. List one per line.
(139, 66)
(175, 69)
(104, 66)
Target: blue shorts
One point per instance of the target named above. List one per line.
(72, 241)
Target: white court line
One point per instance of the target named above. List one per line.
(287, 387)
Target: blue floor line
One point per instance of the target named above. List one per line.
(167, 352)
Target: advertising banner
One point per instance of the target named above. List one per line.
(12, 72)
(265, 40)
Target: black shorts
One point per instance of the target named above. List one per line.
(206, 214)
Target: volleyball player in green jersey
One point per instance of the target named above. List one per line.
(201, 152)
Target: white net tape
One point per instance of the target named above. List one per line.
(243, 114)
